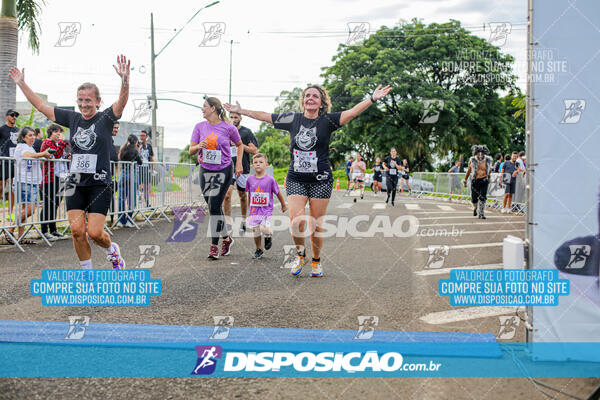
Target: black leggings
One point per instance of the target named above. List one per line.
(391, 183)
(479, 189)
(214, 185)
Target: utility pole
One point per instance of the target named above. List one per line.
(159, 141)
(230, 66)
(231, 43)
(153, 103)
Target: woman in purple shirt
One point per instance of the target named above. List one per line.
(210, 140)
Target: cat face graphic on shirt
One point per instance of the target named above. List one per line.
(85, 139)
(306, 137)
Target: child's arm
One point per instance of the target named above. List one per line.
(282, 201)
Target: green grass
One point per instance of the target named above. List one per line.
(169, 187)
(179, 171)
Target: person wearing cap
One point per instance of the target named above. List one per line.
(8, 143)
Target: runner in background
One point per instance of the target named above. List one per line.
(357, 171)
(391, 164)
(211, 141)
(310, 178)
(377, 171)
(349, 181)
(261, 188)
(405, 176)
(480, 167)
(147, 154)
(250, 146)
(91, 134)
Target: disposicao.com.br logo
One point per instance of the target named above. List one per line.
(325, 362)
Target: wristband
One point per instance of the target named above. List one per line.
(372, 99)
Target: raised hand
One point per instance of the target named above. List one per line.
(123, 68)
(380, 93)
(16, 75)
(233, 108)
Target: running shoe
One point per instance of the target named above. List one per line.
(115, 258)
(243, 229)
(258, 254)
(214, 252)
(475, 212)
(50, 237)
(268, 242)
(300, 262)
(226, 246)
(130, 224)
(120, 224)
(58, 235)
(362, 196)
(317, 270)
(355, 199)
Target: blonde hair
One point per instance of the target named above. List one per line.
(89, 85)
(325, 100)
(216, 103)
(260, 155)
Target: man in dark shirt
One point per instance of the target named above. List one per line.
(250, 145)
(39, 139)
(8, 142)
(147, 154)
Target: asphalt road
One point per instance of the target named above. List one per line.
(393, 278)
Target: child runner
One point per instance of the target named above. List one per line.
(261, 188)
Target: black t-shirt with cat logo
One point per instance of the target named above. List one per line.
(309, 145)
(91, 142)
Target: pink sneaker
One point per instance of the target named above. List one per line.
(226, 246)
(214, 252)
(115, 258)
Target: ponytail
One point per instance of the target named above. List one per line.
(216, 103)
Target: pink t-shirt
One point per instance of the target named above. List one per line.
(261, 195)
(217, 154)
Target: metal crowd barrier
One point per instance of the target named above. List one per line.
(30, 205)
(450, 186)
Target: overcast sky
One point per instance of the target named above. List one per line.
(280, 45)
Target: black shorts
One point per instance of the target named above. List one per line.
(7, 169)
(510, 187)
(377, 178)
(321, 190)
(91, 199)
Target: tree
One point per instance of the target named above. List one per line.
(15, 16)
(287, 101)
(185, 157)
(277, 150)
(442, 66)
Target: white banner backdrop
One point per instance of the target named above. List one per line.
(566, 150)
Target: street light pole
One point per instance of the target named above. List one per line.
(230, 66)
(154, 104)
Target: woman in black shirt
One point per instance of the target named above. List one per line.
(310, 178)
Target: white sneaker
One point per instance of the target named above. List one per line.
(130, 224)
(120, 224)
(50, 236)
(503, 211)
